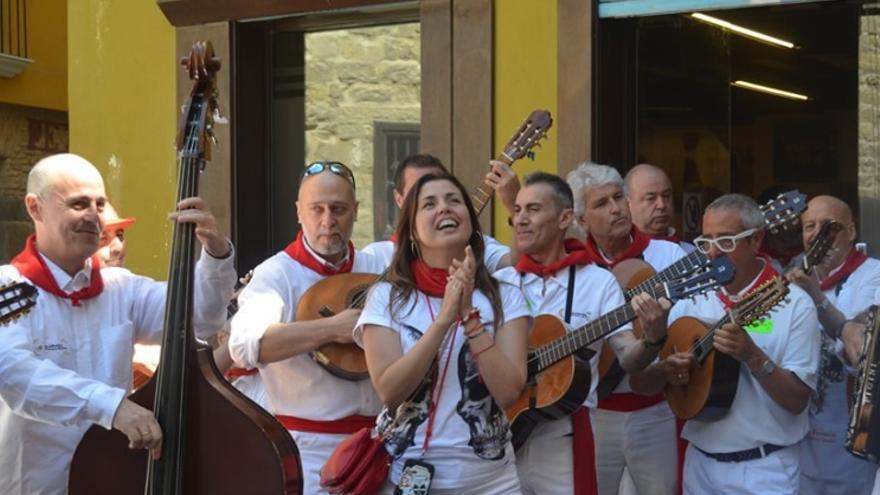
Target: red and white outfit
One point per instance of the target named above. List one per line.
(67, 365)
(546, 461)
(790, 338)
(317, 408)
(634, 431)
(827, 468)
(470, 443)
(495, 251)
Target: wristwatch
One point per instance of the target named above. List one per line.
(767, 367)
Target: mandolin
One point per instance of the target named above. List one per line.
(204, 420)
(558, 383)
(339, 292)
(636, 276)
(714, 376)
(16, 300)
(863, 432)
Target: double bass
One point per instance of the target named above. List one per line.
(215, 440)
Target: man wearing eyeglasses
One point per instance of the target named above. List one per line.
(753, 448)
(318, 409)
(842, 286)
(412, 168)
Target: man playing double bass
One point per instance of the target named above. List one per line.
(318, 408)
(559, 454)
(632, 430)
(67, 364)
(841, 287)
(753, 447)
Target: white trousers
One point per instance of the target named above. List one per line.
(314, 450)
(545, 462)
(777, 473)
(643, 442)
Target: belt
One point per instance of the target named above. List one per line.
(744, 455)
(346, 425)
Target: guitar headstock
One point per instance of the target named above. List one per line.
(716, 273)
(784, 211)
(821, 246)
(532, 131)
(201, 110)
(16, 300)
(760, 301)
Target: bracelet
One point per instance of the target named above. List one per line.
(472, 313)
(477, 354)
(476, 330)
(654, 346)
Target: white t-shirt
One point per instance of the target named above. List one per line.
(791, 340)
(495, 251)
(65, 368)
(296, 386)
(470, 443)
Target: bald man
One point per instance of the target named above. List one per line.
(67, 365)
(317, 408)
(841, 287)
(652, 205)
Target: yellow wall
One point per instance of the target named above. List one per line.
(123, 115)
(525, 79)
(43, 84)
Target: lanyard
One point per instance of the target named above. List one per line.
(435, 399)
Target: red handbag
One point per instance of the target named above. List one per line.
(358, 466)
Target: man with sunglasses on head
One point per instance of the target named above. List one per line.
(753, 448)
(318, 409)
(842, 286)
(634, 433)
(412, 168)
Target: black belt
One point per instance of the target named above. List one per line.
(744, 455)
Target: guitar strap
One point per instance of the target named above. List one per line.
(569, 298)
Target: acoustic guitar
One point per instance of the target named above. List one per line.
(636, 276)
(16, 300)
(558, 383)
(339, 292)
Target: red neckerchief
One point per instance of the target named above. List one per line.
(431, 281)
(854, 259)
(639, 242)
(393, 237)
(767, 273)
(297, 250)
(577, 255)
(32, 266)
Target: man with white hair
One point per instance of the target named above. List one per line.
(633, 431)
(649, 196)
(67, 364)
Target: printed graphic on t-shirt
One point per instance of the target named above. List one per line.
(489, 432)
(830, 371)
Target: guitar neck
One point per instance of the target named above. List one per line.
(484, 192)
(681, 268)
(562, 347)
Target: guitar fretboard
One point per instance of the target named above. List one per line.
(483, 193)
(681, 268)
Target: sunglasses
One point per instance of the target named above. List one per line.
(725, 243)
(336, 167)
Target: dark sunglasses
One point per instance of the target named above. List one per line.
(337, 168)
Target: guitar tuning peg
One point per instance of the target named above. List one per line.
(531, 155)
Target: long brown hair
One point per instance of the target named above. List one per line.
(399, 273)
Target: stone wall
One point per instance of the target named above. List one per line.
(354, 78)
(869, 132)
(26, 135)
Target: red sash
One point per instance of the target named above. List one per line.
(854, 259)
(577, 255)
(234, 373)
(638, 245)
(297, 250)
(629, 402)
(32, 266)
(431, 281)
(342, 426)
(767, 273)
(583, 453)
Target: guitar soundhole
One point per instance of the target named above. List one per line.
(357, 296)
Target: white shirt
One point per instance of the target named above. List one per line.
(65, 368)
(470, 444)
(660, 255)
(754, 419)
(596, 292)
(495, 251)
(296, 386)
